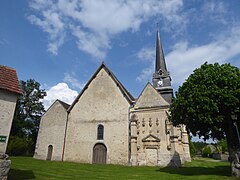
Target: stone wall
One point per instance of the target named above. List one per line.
(51, 132)
(4, 166)
(154, 140)
(150, 143)
(7, 108)
(101, 103)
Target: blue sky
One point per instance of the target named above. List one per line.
(61, 43)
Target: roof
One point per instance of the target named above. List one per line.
(124, 91)
(150, 97)
(160, 60)
(65, 105)
(9, 80)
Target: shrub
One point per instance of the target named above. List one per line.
(207, 152)
(192, 148)
(223, 144)
(19, 146)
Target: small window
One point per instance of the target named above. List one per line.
(100, 131)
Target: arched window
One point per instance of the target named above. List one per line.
(100, 131)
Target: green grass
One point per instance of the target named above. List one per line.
(29, 168)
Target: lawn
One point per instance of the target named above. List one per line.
(29, 168)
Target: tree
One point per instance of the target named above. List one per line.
(192, 148)
(223, 144)
(206, 102)
(28, 112)
(199, 146)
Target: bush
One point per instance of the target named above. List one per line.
(223, 144)
(207, 152)
(19, 146)
(192, 148)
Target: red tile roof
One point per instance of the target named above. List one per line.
(9, 80)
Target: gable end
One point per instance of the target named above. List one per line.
(123, 90)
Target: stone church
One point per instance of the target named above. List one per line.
(106, 125)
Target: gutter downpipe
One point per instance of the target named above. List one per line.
(129, 134)
(65, 134)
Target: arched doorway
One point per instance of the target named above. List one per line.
(99, 154)
(49, 154)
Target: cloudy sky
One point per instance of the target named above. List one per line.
(61, 43)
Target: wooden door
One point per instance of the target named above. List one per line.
(99, 154)
(49, 154)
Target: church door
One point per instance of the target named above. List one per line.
(151, 157)
(99, 154)
(49, 154)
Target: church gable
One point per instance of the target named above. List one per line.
(60, 105)
(150, 98)
(100, 70)
(103, 102)
(51, 132)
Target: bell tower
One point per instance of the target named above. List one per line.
(161, 77)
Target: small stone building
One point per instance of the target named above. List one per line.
(54, 123)
(9, 91)
(106, 125)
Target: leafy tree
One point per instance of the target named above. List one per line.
(20, 146)
(223, 144)
(28, 112)
(192, 148)
(199, 146)
(206, 151)
(206, 102)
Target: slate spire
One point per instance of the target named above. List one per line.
(161, 77)
(160, 60)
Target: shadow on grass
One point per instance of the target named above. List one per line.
(20, 174)
(191, 171)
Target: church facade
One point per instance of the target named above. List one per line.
(106, 125)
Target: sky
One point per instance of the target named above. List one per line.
(61, 43)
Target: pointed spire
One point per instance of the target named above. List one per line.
(161, 78)
(160, 60)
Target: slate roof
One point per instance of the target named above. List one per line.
(9, 80)
(160, 60)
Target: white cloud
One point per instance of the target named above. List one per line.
(184, 58)
(53, 25)
(146, 74)
(146, 55)
(69, 78)
(60, 91)
(91, 43)
(214, 7)
(94, 23)
(212, 12)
